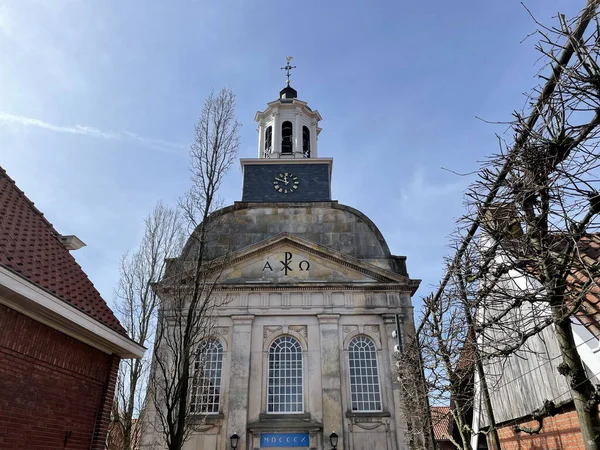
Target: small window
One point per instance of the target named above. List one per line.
(286, 137)
(268, 139)
(306, 142)
(365, 391)
(206, 384)
(285, 394)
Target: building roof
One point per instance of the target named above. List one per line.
(580, 278)
(440, 420)
(29, 246)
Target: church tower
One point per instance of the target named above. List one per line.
(304, 347)
(287, 167)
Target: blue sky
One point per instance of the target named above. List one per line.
(98, 101)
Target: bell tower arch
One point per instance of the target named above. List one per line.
(288, 128)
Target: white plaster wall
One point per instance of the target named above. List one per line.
(588, 347)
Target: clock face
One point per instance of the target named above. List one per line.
(286, 183)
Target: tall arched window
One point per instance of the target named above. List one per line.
(306, 142)
(285, 394)
(206, 384)
(268, 141)
(286, 137)
(365, 391)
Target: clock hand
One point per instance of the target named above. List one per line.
(279, 179)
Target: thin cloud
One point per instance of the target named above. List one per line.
(156, 144)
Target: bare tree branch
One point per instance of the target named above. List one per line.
(188, 290)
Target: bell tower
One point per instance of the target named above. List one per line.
(288, 128)
(287, 167)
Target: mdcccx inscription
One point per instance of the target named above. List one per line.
(284, 440)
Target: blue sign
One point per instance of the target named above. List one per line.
(284, 440)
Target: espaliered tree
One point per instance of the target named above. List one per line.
(523, 266)
(529, 265)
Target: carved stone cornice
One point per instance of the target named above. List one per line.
(243, 320)
(311, 286)
(328, 318)
(391, 318)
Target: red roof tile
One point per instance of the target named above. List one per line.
(579, 278)
(30, 247)
(440, 419)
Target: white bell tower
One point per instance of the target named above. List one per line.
(288, 128)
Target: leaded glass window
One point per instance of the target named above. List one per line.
(285, 394)
(365, 391)
(206, 384)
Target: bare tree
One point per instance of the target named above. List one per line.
(136, 304)
(527, 274)
(528, 270)
(188, 291)
(414, 390)
(439, 364)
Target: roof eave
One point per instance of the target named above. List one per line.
(33, 301)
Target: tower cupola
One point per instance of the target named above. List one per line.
(288, 128)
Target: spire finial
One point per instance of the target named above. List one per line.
(288, 68)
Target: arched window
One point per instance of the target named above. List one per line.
(206, 384)
(286, 137)
(365, 391)
(306, 142)
(268, 141)
(285, 393)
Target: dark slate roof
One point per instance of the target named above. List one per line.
(29, 246)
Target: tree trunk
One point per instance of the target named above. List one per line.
(460, 424)
(581, 387)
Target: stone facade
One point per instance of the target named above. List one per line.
(326, 298)
(308, 331)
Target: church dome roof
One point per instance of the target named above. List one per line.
(329, 224)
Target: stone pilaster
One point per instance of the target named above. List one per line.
(298, 135)
(392, 390)
(313, 140)
(237, 415)
(261, 139)
(331, 376)
(276, 153)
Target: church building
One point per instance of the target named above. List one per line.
(304, 350)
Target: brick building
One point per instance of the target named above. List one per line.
(60, 344)
(531, 401)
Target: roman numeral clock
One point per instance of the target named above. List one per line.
(281, 180)
(286, 183)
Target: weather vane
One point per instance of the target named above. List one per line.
(288, 68)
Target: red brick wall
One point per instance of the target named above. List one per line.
(558, 433)
(55, 392)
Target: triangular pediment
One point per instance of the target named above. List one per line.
(286, 258)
